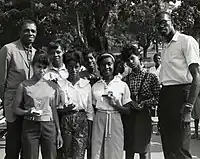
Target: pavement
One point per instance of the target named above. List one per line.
(156, 147)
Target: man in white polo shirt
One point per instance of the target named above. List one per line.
(179, 75)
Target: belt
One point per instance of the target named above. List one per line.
(109, 113)
(75, 111)
(176, 85)
(40, 118)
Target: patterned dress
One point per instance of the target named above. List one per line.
(137, 125)
(74, 124)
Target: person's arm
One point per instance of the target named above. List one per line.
(17, 102)
(56, 120)
(195, 87)
(155, 89)
(90, 115)
(126, 103)
(191, 55)
(5, 57)
(125, 109)
(90, 109)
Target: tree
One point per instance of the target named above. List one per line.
(99, 24)
(78, 22)
(187, 17)
(139, 15)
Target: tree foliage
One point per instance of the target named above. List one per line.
(100, 24)
(80, 23)
(187, 17)
(138, 17)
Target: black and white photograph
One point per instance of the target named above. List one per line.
(99, 79)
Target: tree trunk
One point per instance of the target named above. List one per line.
(21, 4)
(156, 46)
(145, 52)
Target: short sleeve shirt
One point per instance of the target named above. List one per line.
(56, 73)
(155, 71)
(117, 86)
(41, 96)
(176, 58)
(79, 94)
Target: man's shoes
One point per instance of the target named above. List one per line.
(195, 136)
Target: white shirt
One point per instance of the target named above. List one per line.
(176, 58)
(155, 71)
(56, 73)
(117, 86)
(79, 94)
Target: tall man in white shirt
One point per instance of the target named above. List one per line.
(179, 75)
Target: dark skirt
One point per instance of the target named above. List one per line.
(137, 131)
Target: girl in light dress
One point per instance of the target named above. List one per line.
(111, 97)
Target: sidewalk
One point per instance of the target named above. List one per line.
(156, 147)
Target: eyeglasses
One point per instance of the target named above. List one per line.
(162, 22)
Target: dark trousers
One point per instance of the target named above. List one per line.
(175, 135)
(13, 139)
(39, 133)
(89, 149)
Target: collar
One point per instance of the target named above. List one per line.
(22, 47)
(158, 67)
(176, 35)
(141, 71)
(81, 83)
(115, 79)
(51, 67)
(26, 48)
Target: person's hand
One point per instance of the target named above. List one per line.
(69, 107)
(55, 80)
(34, 112)
(115, 103)
(59, 141)
(186, 113)
(112, 100)
(187, 117)
(137, 106)
(141, 105)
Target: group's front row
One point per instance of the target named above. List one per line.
(111, 116)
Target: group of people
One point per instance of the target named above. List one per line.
(51, 102)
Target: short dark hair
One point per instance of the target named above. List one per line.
(103, 56)
(119, 65)
(55, 44)
(163, 12)
(41, 57)
(71, 55)
(155, 56)
(128, 50)
(26, 21)
(88, 51)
